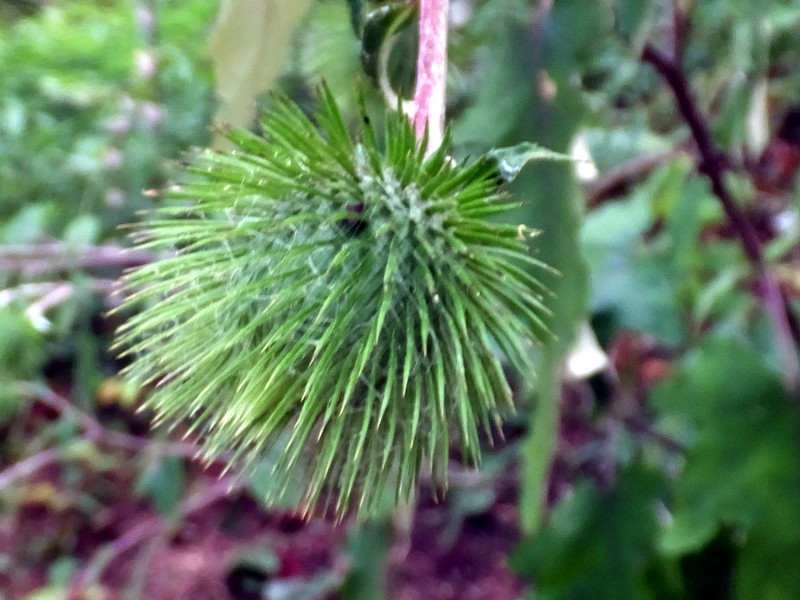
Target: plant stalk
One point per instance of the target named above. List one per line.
(429, 94)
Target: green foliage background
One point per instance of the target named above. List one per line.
(86, 125)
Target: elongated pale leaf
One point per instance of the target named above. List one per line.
(506, 113)
(248, 47)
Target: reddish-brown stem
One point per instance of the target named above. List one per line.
(97, 433)
(29, 466)
(603, 187)
(429, 95)
(712, 165)
(35, 259)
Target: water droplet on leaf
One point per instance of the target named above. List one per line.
(511, 160)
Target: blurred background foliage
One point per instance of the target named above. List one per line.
(673, 471)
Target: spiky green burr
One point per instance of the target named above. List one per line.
(339, 304)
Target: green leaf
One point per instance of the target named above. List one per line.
(82, 231)
(637, 282)
(356, 10)
(511, 160)
(741, 469)
(163, 482)
(507, 112)
(383, 29)
(51, 592)
(597, 544)
(630, 15)
(248, 46)
(368, 546)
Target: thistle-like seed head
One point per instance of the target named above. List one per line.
(336, 304)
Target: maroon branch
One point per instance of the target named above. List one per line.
(30, 466)
(35, 259)
(604, 186)
(713, 165)
(96, 432)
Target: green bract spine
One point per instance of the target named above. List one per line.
(337, 304)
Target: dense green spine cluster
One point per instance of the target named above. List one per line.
(335, 303)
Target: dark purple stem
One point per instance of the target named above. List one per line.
(712, 165)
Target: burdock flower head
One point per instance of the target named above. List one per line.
(337, 303)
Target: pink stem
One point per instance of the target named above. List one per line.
(431, 71)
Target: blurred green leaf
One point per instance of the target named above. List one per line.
(550, 204)
(81, 125)
(21, 345)
(598, 544)
(249, 46)
(632, 16)
(163, 482)
(82, 231)
(508, 108)
(356, 11)
(51, 592)
(327, 49)
(263, 484)
(610, 147)
(635, 280)
(368, 547)
(62, 569)
(22, 354)
(29, 225)
(741, 470)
